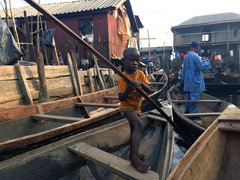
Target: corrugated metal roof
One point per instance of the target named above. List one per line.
(210, 19)
(68, 7)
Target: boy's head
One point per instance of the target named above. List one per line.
(131, 59)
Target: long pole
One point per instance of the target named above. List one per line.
(14, 24)
(6, 9)
(106, 61)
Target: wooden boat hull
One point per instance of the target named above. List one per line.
(20, 130)
(215, 155)
(209, 109)
(55, 161)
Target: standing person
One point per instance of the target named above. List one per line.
(131, 103)
(193, 77)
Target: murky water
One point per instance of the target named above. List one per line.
(180, 147)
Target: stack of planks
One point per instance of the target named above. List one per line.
(58, 79)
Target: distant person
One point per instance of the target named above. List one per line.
(131, 102)
(87, 59)
(60, 58)
(192, 77)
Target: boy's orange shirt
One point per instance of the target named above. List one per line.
(134, 99)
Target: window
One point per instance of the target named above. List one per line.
(205, 37)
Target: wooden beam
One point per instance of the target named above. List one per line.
(199, 101)
(97, 105)
(202, 114)
(75, 68)
(99, 75)
(111, 162)
(160, 83)
(61, 119)
(43, 92)
(23, 84)
(110, 72)
(90, 81)
(73, 76)
(14, 24)
(83, 109)
(55, 54)
(111, 97)
(43, 41)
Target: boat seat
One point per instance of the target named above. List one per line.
(53, 118)
(111, 162)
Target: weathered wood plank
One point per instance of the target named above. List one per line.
(111, 97)
(97, 105)
(202, 114)
(113, 163)
(83, 108)
(61, 119)
(75, 68)
(90, 81)
(99, 74)
(73, 76)
(23, 84)
(232, 114)
(229, 126)
(200, 101)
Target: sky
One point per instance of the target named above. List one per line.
(158, 16)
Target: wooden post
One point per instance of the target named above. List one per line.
(23, 84)
(28, 37)
(6, 9)
(99, 75)
(95, 79)
(43, 40)
(90, 80)
(75, 68)
(14, 24)
(111, 77)
(43, 92)
(38, 42)
(55, 54)
(73, 76)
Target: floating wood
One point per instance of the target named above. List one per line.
(61, 119)
(83, 109)
(43, 92)
(90, 81)
(110, 162)
(202, 114)
(73, 76)
(75, 68)
(23, 84)
(97, 105)
(199, 101)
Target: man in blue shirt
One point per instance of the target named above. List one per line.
(193, 77)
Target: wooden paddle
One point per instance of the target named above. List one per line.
(106, 61)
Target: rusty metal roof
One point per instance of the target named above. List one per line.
(69, 7)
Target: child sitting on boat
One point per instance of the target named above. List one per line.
(131, 102)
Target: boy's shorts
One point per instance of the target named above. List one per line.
(122, 111)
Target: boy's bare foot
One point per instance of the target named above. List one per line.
(139, 166)
(141, 157)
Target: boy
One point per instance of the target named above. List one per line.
(131, 103)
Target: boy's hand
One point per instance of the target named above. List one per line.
(134, 84)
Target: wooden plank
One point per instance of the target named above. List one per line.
(110, 162)
(83, 109)
(75, 68)
(23, 84)
(110, 72)
(202, 114)
(55, 54)
(229, 126)
(158, 83)
(97, 105)
(43, 41)
(99, 75)
(111, 97)
(43, 92)
(61, 119)
(200, 101)
(232, 114)
(90, 81)
(73, 76)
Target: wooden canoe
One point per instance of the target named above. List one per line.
(215, 155)
(209, 108)
(21, 127)
(59, 160)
